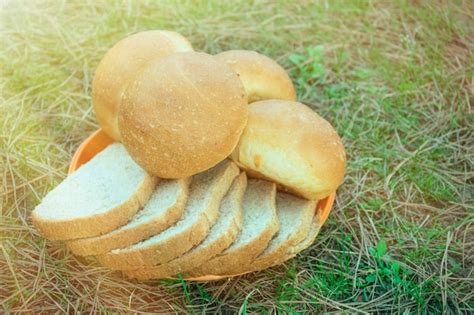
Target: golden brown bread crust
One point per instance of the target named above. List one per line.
(188, 261)
(99, 223)
(288, 143)
(183, 114)
(121, 63)
(107, 242)
(263, 78)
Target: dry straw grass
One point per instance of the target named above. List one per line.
(395, 79)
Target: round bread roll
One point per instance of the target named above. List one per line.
(286, 142)
(183, 114)
(263, 78)
(121, 63)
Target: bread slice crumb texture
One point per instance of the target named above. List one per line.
(305, 243)
(222, 234)
(308, 240)
(201, 211)
(165, 207)
(260, 225)
(295, 215)
(100, 196)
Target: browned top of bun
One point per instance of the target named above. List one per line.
(121, 63)
(263, 78)
(292, 145)
(183, 114)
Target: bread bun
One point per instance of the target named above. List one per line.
(183, 114)
(121, 63)
(263, 78)
(288, 143)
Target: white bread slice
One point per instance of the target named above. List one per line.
(201, 211)
(100, 196)
(295, 215)
(305, 243)
(164, 208)
(222, 234)
(260, 225)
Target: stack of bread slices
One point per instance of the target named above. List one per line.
(216, 169)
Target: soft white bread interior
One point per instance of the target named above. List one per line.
(260, 225)
(263, 78)
(183, 114)
(303, 244)
(121, 63)
(222, 234)
(200, 213)
(100, 196)
(295, 216)
(163, 209)
(288, 143)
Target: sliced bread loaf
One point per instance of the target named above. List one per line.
(100, 196)
(164, 208)
(260, 225)
(222, 234)
(201, 211)
(295, 216)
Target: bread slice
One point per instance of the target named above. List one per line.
(305, 243)
(260, 225)
(201, 211)
(222, 234)
(97, 198)
(295, 216)
(164, 208)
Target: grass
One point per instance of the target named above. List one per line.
(395, 78)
